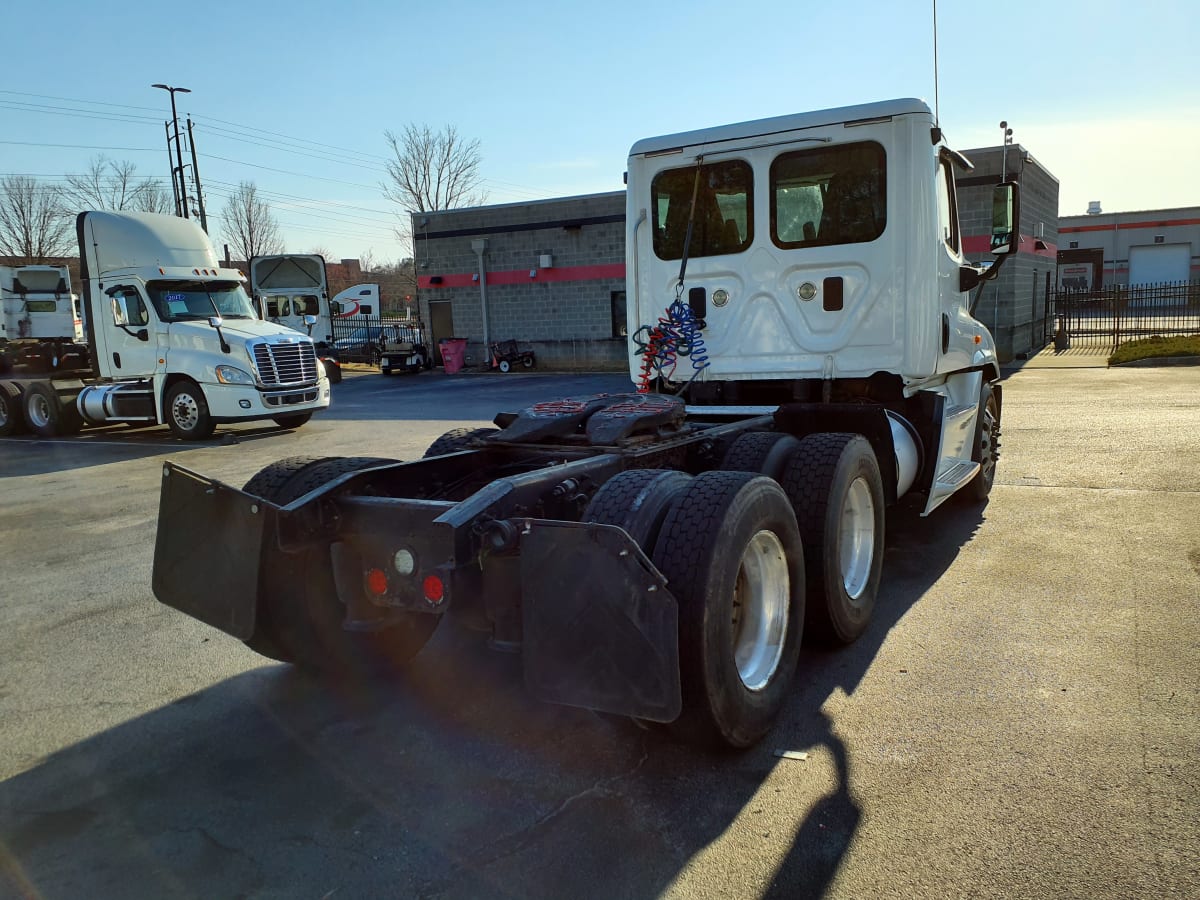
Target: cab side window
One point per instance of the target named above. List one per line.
(947, 210)
(134, 313)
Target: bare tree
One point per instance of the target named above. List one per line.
(432, 170)
(153, 197)
(322, 252)
(113, 184)
(250, 228)
(367, 261)
(33, 224)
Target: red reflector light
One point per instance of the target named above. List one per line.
(377, 581)
(435, 591)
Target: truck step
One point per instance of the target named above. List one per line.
(954, 473)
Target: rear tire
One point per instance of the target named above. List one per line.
(457, 439)
(46, 415)
(637, 500)
(12, 418)
(187, 412)
(762, 452)
(731, 551)
(505, 365)
(835, 487)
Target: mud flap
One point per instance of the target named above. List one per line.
(600, 629)
(206, 555)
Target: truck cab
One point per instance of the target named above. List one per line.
(824, 247)
(174, 337)
(39, 316)
(816, 258)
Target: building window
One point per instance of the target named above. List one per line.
(1074, 245)
(620, 327)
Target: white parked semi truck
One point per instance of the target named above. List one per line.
(171, 338)
(804, 355)
(292, 289)
(39, 317)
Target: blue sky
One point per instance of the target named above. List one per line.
(1105, 94)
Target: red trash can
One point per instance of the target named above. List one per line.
(453, 352)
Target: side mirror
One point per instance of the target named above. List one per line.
(335, 307)
(143, 334)
(310, 321)
(1006, 218)
(215, 321)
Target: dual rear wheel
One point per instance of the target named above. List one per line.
(785, 541)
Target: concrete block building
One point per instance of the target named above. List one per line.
(1156, 246)
(550, 274)
(1014, 305)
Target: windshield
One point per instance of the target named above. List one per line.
(181, 300)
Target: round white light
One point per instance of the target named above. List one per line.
(807, 291)
(404, 562)
(720, 297)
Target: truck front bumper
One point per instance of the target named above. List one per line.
(235, 403)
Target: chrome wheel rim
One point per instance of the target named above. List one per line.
(185, 411)
(39, 411)
(857, 538)
(760, 610)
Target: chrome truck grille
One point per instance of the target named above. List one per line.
(286, 364)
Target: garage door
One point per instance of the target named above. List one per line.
(1159, 263)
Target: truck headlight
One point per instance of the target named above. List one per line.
(233, 375)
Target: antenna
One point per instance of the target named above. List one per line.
(936, 118)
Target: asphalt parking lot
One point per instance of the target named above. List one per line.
(1019, 721)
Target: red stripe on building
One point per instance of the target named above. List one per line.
(523, 276)
(1125, 226)
(983, 244)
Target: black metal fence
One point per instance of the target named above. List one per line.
(1112, 315)
(359, 339)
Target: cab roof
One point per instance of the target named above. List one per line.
(782, 124)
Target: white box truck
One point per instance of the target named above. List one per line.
(171, 338)
(292, 289)
(805, 354)
(39, 317)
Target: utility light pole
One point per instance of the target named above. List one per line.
(1004, 150)
(181, 205)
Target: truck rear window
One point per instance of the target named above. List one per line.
(829, 195)
(723, 220)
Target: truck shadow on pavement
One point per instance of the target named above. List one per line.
(30, 455)
(451, 782)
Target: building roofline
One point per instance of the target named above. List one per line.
(546, 201)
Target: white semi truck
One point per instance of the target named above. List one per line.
(171, 338)
(292, 289)
(39, 316)
(804, 354)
